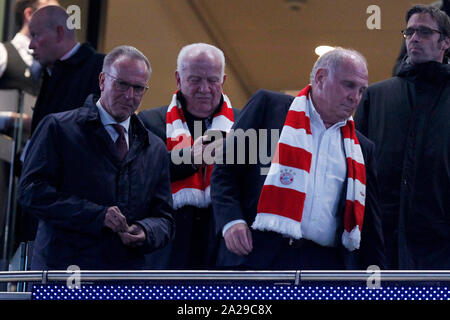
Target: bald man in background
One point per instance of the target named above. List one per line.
(71, 69)
(18, 69)
(71, 73)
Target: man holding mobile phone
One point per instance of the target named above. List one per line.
(192, 126)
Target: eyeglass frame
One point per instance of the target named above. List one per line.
(419, 32)
(129, 85)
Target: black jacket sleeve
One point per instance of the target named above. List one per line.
(372, 249)
(160, 225)
(228, 180)
(38, 187)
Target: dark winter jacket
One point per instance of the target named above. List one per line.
(408, 118)
(70, 83)
(72, 174)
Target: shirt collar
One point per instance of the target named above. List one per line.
(21, 41)
(107, 119)
(71, 52)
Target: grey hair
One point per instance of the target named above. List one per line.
(127, 51)
(199, 48)
(332, 59)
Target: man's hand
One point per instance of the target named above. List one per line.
(238, 239)
(210, 156)
(115, 220)
(197, 152)
(134, 237)
(199, 157)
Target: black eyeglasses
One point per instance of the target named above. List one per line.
(124, 86)
(423, 32)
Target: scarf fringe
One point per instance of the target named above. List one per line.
(299, 145)
(191, 197)
(282, 225)
(351, 240)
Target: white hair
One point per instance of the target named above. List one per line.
(332, 59)
(199, 48)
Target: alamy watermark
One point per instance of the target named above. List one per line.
(374, 20)
(374, 280)
(74, 280)
(249, 146)
(74, 20)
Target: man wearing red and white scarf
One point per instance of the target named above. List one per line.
(198, 105)
(317, 206)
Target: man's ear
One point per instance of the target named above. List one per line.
(224, 78)
(27, 13)
(101, 81)
(178, 79)
(320, 77)
(59, 33)
(445, 43)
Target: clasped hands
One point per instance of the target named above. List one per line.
(238, 239)
(132, 236)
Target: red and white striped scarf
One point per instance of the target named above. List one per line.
(282, 198)
(195, 189)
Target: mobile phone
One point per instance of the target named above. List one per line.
(213, 135)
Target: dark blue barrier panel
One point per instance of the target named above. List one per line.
(221, 292)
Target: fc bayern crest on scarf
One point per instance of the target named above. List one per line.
(286, 177)
(281, 203)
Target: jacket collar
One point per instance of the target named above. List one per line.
(83, 53)
(89, 114)
(432, 71)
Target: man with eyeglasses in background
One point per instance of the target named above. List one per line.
(444, 5)
(408, 118)
(97, 179)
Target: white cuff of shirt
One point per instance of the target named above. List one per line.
(230, 224)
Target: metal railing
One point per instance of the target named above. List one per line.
(295, 277)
